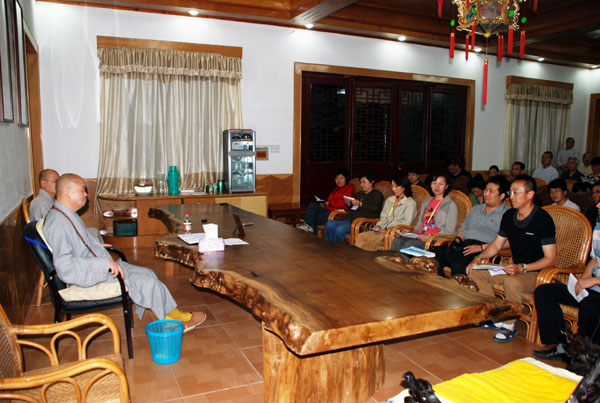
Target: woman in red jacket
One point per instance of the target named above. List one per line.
(318, 213)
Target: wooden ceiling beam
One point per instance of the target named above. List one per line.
(321, 10)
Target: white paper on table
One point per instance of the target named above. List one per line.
(234, 241)
(571, 287)
(211, 231)
(191, 238)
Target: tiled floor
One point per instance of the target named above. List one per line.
(222, 360)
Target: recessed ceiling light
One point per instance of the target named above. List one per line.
(193, 13)
(477, 49)
(540, 59)
(309, 25)
(402, 38)
(595, 66)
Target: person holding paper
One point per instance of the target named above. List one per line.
(318, 213)
(438, 215)
(479, 228)
(532, 236)
(398, 209)
(367, 203)
(548, 298)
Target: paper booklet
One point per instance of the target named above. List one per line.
(414, 251)
(319, 200)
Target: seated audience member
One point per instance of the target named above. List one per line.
(493, 171)
(592, 213)
(571, 172)
(531, 233)
(559, 192)
(595, 176)
(398, 209)
(479, 228)
(476, 186)
(366, 204)
(562, 156)
(40, 206)
(455, 170)
(548, 298)
(546, 172)
(414, 178)
(318, 213)
(517, 168)
(438, 215)
(585, 166)
(581, 187)
(81, 260)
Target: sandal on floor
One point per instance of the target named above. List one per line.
(505, 335)
(488, 324)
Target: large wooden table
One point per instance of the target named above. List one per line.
(326, 307)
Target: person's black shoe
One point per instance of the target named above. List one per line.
(551, 354)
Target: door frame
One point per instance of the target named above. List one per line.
(593, 116)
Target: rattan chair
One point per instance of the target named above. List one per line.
(573, 241)
(365, 224)
(540, 182)
(43, 256)
(99, 379)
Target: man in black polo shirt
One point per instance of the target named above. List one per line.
(531, 234)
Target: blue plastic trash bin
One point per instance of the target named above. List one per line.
(165, 337)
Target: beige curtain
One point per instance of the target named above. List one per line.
(537, 120)
(163, 107)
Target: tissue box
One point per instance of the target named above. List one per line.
(211, 245)
(125, 227)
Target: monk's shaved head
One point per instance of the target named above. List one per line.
(66, 181)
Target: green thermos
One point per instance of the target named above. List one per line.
(173, 181)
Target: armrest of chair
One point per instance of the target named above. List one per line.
(66, 374)
(552, 273)
(439, 240)
(117, 252)
(61, 329)
(360, 225)
(336, 213)
(390, 234)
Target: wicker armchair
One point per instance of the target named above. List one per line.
(100, 379)
(463, 206)
(573, 241)
(365, 224)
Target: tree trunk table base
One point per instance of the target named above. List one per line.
(349, 375)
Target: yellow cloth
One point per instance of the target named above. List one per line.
(518, 382)
(176, 314)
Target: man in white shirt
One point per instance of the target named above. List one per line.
(546, 172)
(562, 157)
(517, 168)
(585, 167)
(558, 193)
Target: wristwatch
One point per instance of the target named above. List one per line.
(524, 270)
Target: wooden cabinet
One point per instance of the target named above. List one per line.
(148, 229)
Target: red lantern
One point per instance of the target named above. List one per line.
(522, 43)
(473, 36)
(467, 49)
(535, 5)
(509, 47)
(500, 47)
(452, 45)
(440, 8)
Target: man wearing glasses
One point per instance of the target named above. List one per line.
(530, 232)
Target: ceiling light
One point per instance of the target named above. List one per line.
(193, 13)
(309, 25)
(595, 66)
(402, 38)
(477, 49)
(540, 59)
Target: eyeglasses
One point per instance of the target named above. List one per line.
(513, 192)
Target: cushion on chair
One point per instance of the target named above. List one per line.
(105, 390)
(96, 292)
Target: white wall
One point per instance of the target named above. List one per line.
(69, 78)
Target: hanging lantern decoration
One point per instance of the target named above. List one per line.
(522, 40)
(500, 47)
(440, 8)
(467, 49)
(535, 5)
(452, 38)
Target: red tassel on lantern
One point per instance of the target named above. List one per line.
(500, 47)
(452, 45)
(485, 80)
(522, 43)
(509, 46)
(440, 8)
(473, 36)
(467, 49)
(535, 5)
(466, 8)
